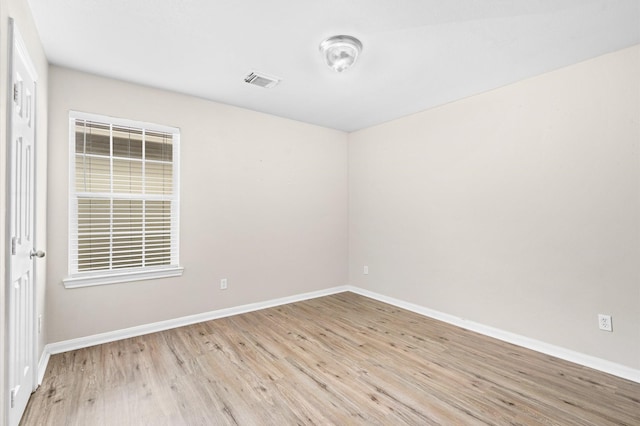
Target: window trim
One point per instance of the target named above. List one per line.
(91, 278)
(102, 277)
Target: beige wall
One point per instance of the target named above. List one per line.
(19, 11)
(264, 204)
(517, 209)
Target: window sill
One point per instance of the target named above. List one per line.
(88, 280)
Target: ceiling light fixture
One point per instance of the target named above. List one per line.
(341, 51)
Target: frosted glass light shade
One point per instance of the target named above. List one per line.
(340, 52)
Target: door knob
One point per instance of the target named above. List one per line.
(38, 253)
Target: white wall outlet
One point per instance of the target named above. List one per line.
(223, 284)
(604, 322)
(365, 270)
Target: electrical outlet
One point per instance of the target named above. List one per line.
(604, 322)
(365, 270)
(223, 284)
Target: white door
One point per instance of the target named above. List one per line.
(22, 337)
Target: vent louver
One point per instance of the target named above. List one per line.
(261, 80)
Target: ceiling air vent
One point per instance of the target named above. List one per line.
(261, 80)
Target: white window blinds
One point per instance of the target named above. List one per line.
(123, 198)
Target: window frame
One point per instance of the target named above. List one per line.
(77, 278)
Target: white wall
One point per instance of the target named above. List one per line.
(19, 11)
(517, 209)
(264, 204)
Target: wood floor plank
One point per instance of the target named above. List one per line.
(341, 359)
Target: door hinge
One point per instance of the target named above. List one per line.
(15, 92)
(14, 391)
(14, 243)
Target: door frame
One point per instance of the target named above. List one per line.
(17, 46)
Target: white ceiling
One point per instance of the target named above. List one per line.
(417, 53)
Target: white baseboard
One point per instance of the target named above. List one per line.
(536, 345)
(516, 339)
(42, 365)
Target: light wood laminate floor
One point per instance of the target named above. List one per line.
(342, 359)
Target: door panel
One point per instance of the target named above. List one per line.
(21, 294)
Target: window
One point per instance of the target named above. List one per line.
(124, 200)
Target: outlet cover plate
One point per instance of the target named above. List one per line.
(604, 322)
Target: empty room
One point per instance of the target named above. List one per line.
(281, 212)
